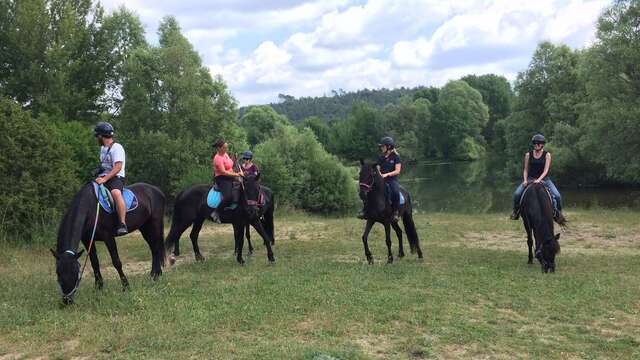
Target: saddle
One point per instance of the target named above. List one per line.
(527, 189)
(214, 197)
(103, 195)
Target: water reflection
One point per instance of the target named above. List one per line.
(474, 187)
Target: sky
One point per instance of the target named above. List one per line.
(308, 48)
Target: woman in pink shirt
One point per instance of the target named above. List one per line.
(223, 175)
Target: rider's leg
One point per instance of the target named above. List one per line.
(224, 184)
(516, 202)
(394, 186)
(116, 186)
(554, 192)
(120, 206)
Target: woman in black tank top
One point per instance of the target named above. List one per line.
(536, 169)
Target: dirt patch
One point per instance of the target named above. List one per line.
(585, 238)
(375, 346)
(12, 356)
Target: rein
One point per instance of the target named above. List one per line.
(93, 234)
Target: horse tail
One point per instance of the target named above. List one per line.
(268, 219)
(174, 233)
(410, 230)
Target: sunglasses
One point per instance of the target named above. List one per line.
(538, 143)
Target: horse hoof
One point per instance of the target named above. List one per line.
(390, 260)
(250, 253)
(401, 255)
(370, 261)
(67, 301)
(272, 262)
(199, 257)
(172, 260)
(241, 262)
(420, 255)
(99, 285)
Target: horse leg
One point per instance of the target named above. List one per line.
(387, 239)
(238, 234)
(95, 264)
(177, 228)
(398, 231)
(115, 260)
(195, 231)
(248, 235)
(265, 237)
(527, 229)
(365, 240)
(152, 234)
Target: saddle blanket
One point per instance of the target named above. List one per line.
(106, 201)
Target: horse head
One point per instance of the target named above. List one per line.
(369, 178)
(252, 194)
(68, 271)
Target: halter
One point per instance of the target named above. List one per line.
(72, 253)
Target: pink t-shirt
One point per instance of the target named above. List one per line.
(223, 161)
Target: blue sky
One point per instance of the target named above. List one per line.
(308, 48)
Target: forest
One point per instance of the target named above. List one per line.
(65, 65)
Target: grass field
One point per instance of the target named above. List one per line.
(473, 296)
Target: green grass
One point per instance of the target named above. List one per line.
(473, 296)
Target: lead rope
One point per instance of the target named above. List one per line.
(93, 234)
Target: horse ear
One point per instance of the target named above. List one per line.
(361, 162)
(55, 254)
(78, 254)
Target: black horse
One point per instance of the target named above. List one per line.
(78, 223)
(378, 209)
(537, 217)
(191, 209)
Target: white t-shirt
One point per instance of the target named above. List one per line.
(108, 158)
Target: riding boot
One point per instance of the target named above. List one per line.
(361, 215)
(215, 217)
(122, 230)
(396, 216)
(515, 215)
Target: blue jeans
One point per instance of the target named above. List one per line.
(394, 188)
(555, 194)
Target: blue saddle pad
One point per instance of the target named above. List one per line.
(213, 198)
(105, 200)
(401, 198)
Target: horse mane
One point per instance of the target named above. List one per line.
(72, 224)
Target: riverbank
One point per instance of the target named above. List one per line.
(472, 296)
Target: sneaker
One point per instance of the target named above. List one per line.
(122, 230)
(559, 218)
(395, 217)
(361, 215)
(215, 217)
(515, 215)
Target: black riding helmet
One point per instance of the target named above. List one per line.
(538, 139)
(387, 141)
(104, 129)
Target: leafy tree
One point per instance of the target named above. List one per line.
(458, 118)
(496, 94)
(611, 72)
(259, 122)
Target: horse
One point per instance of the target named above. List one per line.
(537, 218)
(84, 217)
(378, 210)
(191, 209)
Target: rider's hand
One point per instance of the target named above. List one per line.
(537, 181)
(100, 180)
(384, 175)
(524, 183)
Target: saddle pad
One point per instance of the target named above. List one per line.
(213, 198)
(104, 198)
(401, 198)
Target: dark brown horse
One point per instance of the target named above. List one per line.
(537, 217)
(77, 226)
(378, 210)
(191, 209)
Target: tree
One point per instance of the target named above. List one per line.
(259, 122)
(611, 72)
(458, 119)
(496, 94)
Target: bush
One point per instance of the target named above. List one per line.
(38, 173)
(302, 174)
